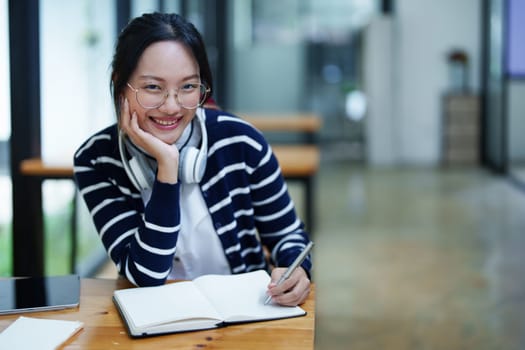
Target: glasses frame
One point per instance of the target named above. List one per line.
(202, 99)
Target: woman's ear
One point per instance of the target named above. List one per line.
(119, 106)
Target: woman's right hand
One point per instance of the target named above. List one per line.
(166, 155)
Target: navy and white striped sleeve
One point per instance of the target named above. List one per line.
(140, 241)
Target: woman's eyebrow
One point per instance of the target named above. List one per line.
(193, 76)
(150, 77)
(153, 77)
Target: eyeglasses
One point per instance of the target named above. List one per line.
(189, 95)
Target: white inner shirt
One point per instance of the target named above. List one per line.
(199, 250)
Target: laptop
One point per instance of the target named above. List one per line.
(29, 294)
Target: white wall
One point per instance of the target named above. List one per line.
(423, 32)
(381, 148)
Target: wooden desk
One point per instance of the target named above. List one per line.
(37, 167)
(104, 329)
(287, 155)
(299, 161)
(307, 123)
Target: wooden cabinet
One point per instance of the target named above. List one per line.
(461, 131)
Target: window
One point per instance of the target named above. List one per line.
(5, 131)
(75, 67)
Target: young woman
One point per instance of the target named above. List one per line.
(177, 190)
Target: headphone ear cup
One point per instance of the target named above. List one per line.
(187, 163)
(192, 160)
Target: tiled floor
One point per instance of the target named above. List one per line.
(417, 259)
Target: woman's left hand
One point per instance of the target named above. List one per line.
(293, 291)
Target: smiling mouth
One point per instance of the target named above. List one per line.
(165, 122)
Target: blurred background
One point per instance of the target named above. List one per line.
(418, 196)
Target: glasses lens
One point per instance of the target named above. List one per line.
(149, 98)
(191, 95)
(188, 96)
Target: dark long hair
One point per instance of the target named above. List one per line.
(145, 30)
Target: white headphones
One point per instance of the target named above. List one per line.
(141, 168)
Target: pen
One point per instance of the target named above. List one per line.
(298, 261)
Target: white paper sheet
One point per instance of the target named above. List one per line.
(28, 333)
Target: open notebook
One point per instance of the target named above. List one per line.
(39, 293)
(209, 301)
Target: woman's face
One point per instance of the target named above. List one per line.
(164, 65)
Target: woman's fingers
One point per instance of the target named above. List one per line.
(292, 291)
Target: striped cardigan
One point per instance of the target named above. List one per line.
(243, 188)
